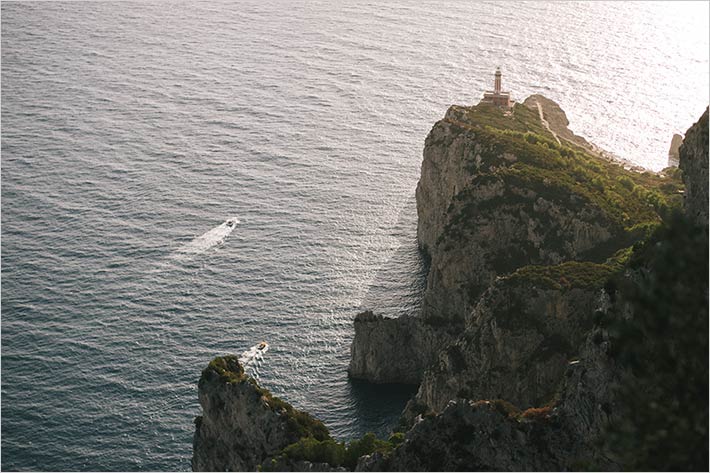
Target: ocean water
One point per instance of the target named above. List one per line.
(131, 133)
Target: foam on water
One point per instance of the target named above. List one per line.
(253, 357)
(208, 240)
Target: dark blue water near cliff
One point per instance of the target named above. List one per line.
(128, 129)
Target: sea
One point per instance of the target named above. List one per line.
(133, 133)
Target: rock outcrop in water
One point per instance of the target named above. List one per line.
(380, 339)
(674, 150)
(394, 350)
(534, 240)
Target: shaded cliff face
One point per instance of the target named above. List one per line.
(634, 397)
(473, 431)
(517, 347)
(242, 424)
(387, 350)
(493, 435)
(474, 436)
(694, 163)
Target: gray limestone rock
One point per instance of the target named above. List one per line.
(389, 350)
(517, 346)
(674, 150)
(694, 163)
(242, 424)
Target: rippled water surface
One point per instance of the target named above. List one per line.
(129, 130)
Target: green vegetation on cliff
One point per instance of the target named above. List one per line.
(519, 154)
(300, 423)
(522, 119)
(335, 453)
(227, 368)
(665, 346)
(572, 274)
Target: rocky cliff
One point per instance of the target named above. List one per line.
(499, 191)
(520, 339)
(694, 163)
(553, 283)
(401, 340)
(481, 214)
(396, 350)
(494, 435)
(241, 423)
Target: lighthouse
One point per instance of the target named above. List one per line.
(497, 97)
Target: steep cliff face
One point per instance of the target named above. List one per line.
(474, 436)
(242, 424)
(694, 163)
(471, 433)
(470, 215)
(517, 346)
(498, 193)
(387, 350)
(493, 435)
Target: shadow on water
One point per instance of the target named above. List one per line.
(396, 291)
(398, 287)
(378, 406)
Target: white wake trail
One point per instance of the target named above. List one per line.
(208, 240)
(252, 358)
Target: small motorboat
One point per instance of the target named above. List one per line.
(262, 346)
(230, 223)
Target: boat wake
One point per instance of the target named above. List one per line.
(252, 358)
(204, 242)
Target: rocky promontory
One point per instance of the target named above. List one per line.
(500, 191)
(563, 325)
(242, 424)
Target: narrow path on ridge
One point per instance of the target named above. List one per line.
(545, 124)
